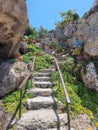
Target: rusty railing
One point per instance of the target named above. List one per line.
(22, 85)
(65, 91)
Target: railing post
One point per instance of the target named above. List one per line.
(20, 103)
(67, 108)
(59, 80)
(66, 93)
(31, 80)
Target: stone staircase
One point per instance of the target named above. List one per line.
(43, 109)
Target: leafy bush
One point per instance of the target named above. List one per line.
(53, 44)
(43, 62)
(67, 17)
(83, 100)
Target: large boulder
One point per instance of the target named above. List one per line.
(13, 23)
(68, 30)
(91, 46)
(11, 75)
(90, 77)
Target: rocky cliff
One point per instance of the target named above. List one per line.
(85, 29)
(84, 32)
(13, 23)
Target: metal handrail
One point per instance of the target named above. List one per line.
(22, 84)
(65, 91)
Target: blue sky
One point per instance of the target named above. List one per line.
(46, 12)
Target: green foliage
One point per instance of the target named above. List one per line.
(83, 100)
(42, 32)
(28, 57)
(67, 17)
(11, 101)
(53, 44)
(72, 70)
(43, 62)
(33, 33)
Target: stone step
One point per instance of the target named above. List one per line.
(42, 78)
(41, 102)
(43, 119)
(44, 74)
(41, 91)
(49, 70)
(41, 84)
(61, 62)
(64, 56)
(61, 128)
(60, 58)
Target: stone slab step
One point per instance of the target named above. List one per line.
(43, 119)
(61, 128)
(41, 91)
(41, 102)
(43, 84)
(49, 70)
(44, 74)
(61, 62)
(42, 78)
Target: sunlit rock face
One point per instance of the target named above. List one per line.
(13, 23)
(90, 77)
(11, 75)
(85, 29)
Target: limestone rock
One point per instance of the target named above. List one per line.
(41, 91)
(68, 30)
(59, 34)
(49, 70)
(82, 122)
(23, 48)
(11, 75)
(82, 29)
(92, 19)
(90, 78)
(43, 84)
(91, 45)
(42, 78)
(44, 74)
(61, 128)
(41, 102)
(93, 10)
(4, 117)
(13, 23)
(41, 120)
(85, 29)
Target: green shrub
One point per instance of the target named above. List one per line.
(53, 44)
(83, 100)
(11, 100)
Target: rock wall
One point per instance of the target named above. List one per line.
(11, 75)
(13, 23)
(85, 29)
(90, 77)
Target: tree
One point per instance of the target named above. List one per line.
(42, 32)
(31, 34)
(67, 17)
